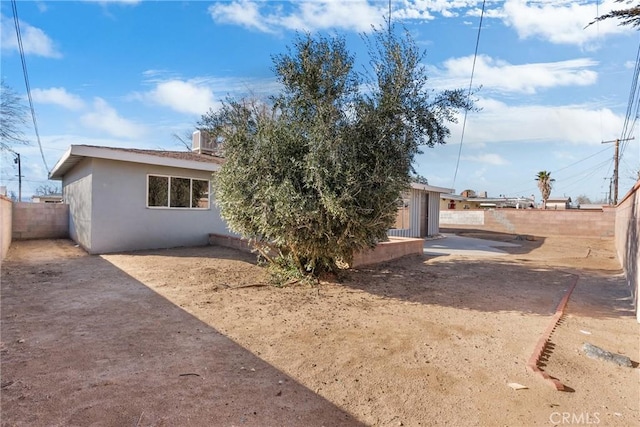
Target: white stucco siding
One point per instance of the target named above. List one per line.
(77, 193)
(433, 215)
(423, 217)
(121, 220)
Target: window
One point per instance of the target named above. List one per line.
(175, 192)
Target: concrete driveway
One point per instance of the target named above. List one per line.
(450, 244)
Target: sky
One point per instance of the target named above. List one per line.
(549, 87)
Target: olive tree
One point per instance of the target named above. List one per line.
(314, 173)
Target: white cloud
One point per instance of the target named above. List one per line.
(557, 21)
(106, 119)
(491, 159)
(356, 15)
(191, 97)
(244, 13)
(500, 75)
(58, 96)
(34, 40)
(570, 124)
(561, 22)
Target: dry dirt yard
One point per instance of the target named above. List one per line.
(196, 337)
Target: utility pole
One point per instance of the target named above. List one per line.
(17, 160)
(615, 166)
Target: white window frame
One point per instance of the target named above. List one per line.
(168, 206)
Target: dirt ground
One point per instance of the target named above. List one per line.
(196, 337)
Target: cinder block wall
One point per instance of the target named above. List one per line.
(537, 222)
(628, 240)
(5, 224)
(40, 221)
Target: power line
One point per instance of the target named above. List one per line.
(581, 160)
(26, 80)
(466, 110)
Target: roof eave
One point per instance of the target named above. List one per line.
(76, 152)
(431, 188)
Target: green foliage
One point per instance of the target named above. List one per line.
(628, 17)
(285, 271)
(317, 171)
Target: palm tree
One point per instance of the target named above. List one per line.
(545, 183)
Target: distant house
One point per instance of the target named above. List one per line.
(419, 212)
(129, 199)
(471, 201)
(558, 203)
(51, 198)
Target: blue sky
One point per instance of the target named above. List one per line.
(134, 73)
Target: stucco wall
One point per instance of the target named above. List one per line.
(120, 220)
(6, 209)
(424, 217)
(76, 192)
(536, 222)
(628, 239)
(40, 221)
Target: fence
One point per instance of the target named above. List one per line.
(40, 221)
(628, 239)
(537, 222)
(5, 224)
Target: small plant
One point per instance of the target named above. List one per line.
(284, 271)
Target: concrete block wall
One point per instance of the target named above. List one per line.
(627, 240)
(40, 221)
(395, 248)
(230, 242)
(537, 222)
(6, 207)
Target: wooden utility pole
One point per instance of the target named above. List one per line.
(615, 166)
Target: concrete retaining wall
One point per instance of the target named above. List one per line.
(627, 240)
(5, 224)
(40, 221)
(230, 242)
(537, 222)
(396, 247)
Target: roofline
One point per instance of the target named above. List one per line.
(108, 153)
(431, 188)
(57, 166)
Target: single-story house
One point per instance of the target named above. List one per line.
(558, 203)
(50, 198)
(129, 199)
(458, 202)
(419, 212)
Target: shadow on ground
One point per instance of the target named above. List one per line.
(492, 285)
(86, 344)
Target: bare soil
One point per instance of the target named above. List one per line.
(196, 336)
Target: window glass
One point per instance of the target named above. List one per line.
(200, 194)
(158, 191)
(174, 192)
(180, 192)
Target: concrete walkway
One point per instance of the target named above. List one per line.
(450, 244)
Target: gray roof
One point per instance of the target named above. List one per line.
(178, 159)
